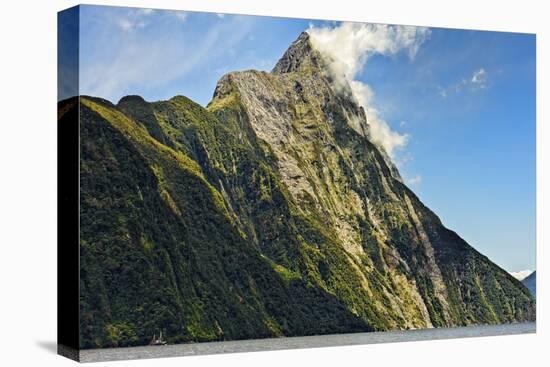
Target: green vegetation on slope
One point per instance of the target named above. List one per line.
(146, 267)
(269, 213)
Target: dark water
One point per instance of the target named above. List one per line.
(96, 355)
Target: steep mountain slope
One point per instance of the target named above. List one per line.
(531, 283)
(426, 275)
(268, 213)
(159, 250)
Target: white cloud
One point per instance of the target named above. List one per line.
(348, 47)
(181, 15)
(522, 274)
(479, 78)
(351, 44)
(416, 180)
(134, 19)
(382, 134)
(220, 15)
(125, 24)
(145, 11)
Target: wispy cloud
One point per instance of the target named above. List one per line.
(134, 19)
(479, 78)
(414, 181)
(181, 15)
(138, 59)
(349, 46)
(476, 81)
(125, 24)
(145, 11)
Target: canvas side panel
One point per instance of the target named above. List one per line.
(68, 179)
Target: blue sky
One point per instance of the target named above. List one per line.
(464, 100)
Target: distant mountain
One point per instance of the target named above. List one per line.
(522, 274)
(268, 213)
(531, 283)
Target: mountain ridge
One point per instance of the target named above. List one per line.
(267, 213)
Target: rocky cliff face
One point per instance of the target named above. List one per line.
(268, 213)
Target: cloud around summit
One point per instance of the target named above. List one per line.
(349, 46)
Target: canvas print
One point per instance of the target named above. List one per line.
(238, 177)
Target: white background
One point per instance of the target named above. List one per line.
(28, 181)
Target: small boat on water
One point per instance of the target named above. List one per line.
(158, 341)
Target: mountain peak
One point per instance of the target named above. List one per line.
(301, 56)
(131, 99)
